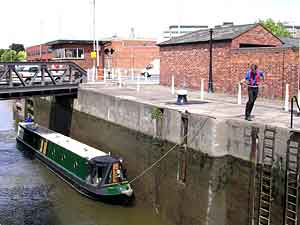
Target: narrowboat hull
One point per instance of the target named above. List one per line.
(80, 186)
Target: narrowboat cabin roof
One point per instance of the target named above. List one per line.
(76, 147)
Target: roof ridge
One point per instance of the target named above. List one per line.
(202, 32)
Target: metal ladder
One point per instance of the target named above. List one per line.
(265, 187)
(292, 180)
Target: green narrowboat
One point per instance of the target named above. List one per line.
(92, 172)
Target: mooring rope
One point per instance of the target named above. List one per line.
(166, 154)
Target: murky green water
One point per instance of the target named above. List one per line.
(31, 195)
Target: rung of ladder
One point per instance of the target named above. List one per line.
(266, 210)
(269, 139)
(265, 218)
(290, 218)
(268, 156)
(293, 204)
(293, 170)
(291, 211)
(265, 202)
(269, 146)
(268, 186)
(293, 162)
(295, 188)
(266, 194)
(267, 178)
(293, 196)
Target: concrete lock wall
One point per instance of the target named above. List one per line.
(130, 114)
(212, 136)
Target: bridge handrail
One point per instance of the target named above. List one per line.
(10, 75)
(43, 63)
(293, 99)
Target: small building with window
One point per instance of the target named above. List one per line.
(77, 51)
(114, 53)
(234, 49)
(39, 53)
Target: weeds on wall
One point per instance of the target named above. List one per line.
(156, 114)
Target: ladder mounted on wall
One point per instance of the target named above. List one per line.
(292, 180)
(265, 186)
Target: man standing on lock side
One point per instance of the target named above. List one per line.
(252, 79)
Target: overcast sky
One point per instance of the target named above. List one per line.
(33, 21)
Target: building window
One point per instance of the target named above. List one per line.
(69, 53)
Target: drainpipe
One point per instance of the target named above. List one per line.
(210, 80)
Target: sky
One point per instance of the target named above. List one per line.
(32, 22)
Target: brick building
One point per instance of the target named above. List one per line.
(113, 53)
(234, 48)
(39, 53)
(130, 53)
(77, 51)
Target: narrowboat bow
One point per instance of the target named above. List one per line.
(92, 172)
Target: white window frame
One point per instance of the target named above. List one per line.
(64, 53)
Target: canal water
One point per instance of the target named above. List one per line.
(31, 195)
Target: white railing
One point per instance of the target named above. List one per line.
(121, 76)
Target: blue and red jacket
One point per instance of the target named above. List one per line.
(253, 81)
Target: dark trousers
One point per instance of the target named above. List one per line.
(252, 94)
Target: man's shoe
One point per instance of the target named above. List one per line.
(248, 118)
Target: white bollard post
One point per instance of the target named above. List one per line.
(93, 75)
(286, 102)
(113, 73)
(173, 85)
(119, 78)
(104, 75)
(202, 90)
(240, 95)
(298, 99)
(138, 83)
(132, 74)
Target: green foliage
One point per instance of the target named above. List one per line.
(1, 52)
(12, 55)
(156, 114)
(21, 56)
(9, 56)
(277, 28)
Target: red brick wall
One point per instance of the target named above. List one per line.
(132, 53)
(279, 64)
(259, 36)
(33, 53)
(189, 63)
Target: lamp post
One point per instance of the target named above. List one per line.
(94, 37)
(298, 81)
(210, 79)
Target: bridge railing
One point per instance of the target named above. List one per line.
(14, 74)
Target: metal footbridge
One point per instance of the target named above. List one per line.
(25, 79)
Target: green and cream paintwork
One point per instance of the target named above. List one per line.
(73, 159)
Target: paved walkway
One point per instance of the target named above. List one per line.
(219, 106)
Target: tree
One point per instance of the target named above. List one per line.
(2, 51)
(9, 56)
(21, 56)
(17, 47)
(277, 28)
